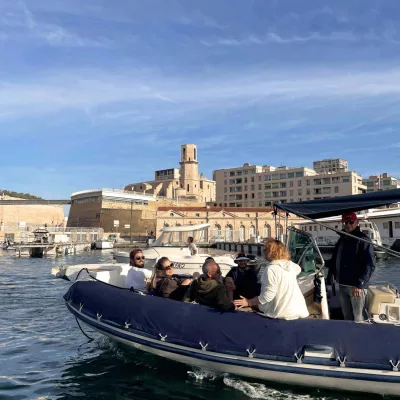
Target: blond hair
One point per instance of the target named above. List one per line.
(275, 250)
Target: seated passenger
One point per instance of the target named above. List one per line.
(280, 295)
(137, 277)
(242, 280)
(208, 289)
(165, 284)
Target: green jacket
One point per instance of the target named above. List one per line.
(208, 293)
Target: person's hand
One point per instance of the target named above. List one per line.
(243, 302)
(356, 292)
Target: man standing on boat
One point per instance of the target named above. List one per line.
(192, 246)
(352, 265)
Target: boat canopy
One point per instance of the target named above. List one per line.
(184, 228)
(314, 209)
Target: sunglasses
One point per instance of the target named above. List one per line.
(170, 266)
(348, 222)
(139, 258)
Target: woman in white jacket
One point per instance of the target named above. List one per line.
(280, 295)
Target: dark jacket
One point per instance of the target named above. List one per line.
(208, 293)
(170, 287)
(352, 261)
(245, 282)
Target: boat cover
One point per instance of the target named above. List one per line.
(370, 345)
(339, 205)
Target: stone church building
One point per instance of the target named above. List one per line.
(180, 183)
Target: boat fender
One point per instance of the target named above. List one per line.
(203, 346)
(250, 353)
(395, 366)
(342, 362)
(127, 325)
(162, 337)
(98, 315)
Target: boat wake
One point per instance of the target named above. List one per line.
(252, 390)
(200, 374)
(260, 391)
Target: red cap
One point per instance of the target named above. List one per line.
(349, 217)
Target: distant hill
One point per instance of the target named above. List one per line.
(17, 195)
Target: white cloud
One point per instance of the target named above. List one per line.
(23, 26)
(273, 37)
(88, 90)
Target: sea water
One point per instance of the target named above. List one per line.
(44, 355)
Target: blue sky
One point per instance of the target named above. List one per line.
(101, 93)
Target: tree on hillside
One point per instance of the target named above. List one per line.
(18, 195)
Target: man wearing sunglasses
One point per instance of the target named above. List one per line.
(137, 277)
(352, 265)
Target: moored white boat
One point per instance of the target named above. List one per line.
(172, 243)
(104, 244)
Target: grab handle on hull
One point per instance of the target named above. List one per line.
(318, 351)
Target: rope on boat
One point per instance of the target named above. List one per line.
(250, 353)
(395, 366)
(162, 337)
(298, 358)
(203, 346)
(90, 339)
(342, 362)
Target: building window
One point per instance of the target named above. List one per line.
(188, 188)
(267, 177)
(283, 185)
(386, 225)
(345, 180)
(291, 183)
(397, 225)
(299, 174)
(197, 214)
(290, 175)
(336, 189)
(298, 183)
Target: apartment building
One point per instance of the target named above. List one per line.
(331, 165)
(381, 182)
(261, 186)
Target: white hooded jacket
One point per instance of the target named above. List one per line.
(280, 295)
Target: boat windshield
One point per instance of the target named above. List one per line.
(179, 239)
(304, 251)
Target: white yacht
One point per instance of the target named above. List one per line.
(172, 243)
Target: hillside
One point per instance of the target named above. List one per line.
(17, 195)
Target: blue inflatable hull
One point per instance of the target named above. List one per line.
(309, 352)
